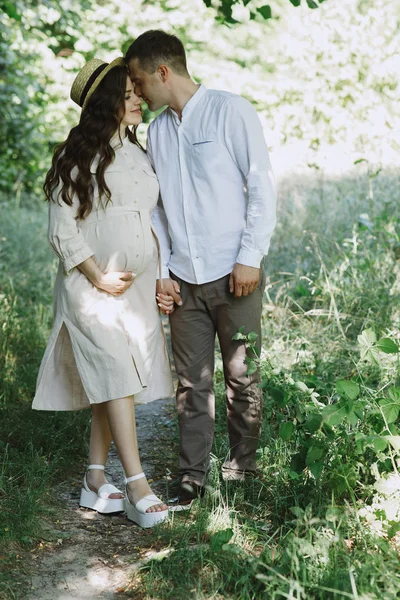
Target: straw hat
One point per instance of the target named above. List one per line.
(89, 77)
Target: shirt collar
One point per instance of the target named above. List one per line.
(190, 105)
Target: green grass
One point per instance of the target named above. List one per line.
(37, 449)
(320, 521)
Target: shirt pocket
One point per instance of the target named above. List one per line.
(148, 170)
(204, 149)
(204, 145)
(113, 168)
(204, 152)
(117, 179)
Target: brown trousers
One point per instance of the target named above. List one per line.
(207, 310)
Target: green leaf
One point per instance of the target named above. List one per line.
(286, 430)
(226, 9)
(388, 346)
(316, 469)
(300, 414)
(238, 336)
(347, 388)
(312, 4)
(379, 443)
(390, 409)
(314, 454)
(359, 412)
(352, 418)
(313, 423)
(277, 394)
(394, 527)
(359, 160)
(301, 386)
(252, 336)
(218, 539)
(297, 511)
(394, 441)
(10, 9)
(367, 338)
(333, 415)
(252, 368)
(265, 11)
(394, 394)
(298, 463)
(373, 175)
(295, 2)
(367, 341)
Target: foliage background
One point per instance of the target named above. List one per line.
(325, 81)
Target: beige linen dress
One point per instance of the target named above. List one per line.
(104, 347)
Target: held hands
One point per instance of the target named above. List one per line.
(167, 295)
(243, 280)
(115, 283)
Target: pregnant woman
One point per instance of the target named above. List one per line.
(107, 346)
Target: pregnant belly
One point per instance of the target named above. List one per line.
(119, 244)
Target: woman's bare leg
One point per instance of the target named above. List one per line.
(121, 419)
(100, 441)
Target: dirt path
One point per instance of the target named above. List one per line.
(90, 556)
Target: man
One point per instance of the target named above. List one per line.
(214, 220)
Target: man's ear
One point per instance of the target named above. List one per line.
(163, 72)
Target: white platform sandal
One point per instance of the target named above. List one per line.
(100, 500)
(137, 512)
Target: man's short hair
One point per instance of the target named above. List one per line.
(156, 47)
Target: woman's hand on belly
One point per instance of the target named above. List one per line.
(112, 282)
(115, 283)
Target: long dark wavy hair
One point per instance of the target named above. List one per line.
(70, 169)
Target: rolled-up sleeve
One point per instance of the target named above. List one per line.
(246, 144)
(65, 236)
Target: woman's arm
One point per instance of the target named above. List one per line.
(115, 283)
(68, 242)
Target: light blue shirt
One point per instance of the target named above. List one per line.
(218, 203)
